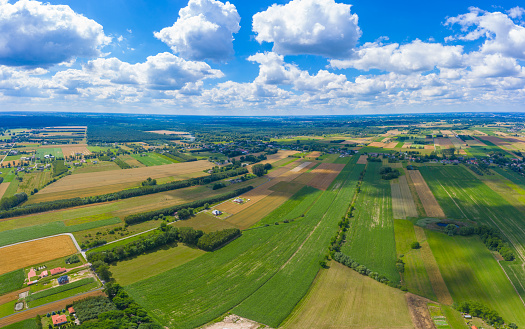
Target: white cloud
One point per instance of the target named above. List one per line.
(37, 34)
(318, 27)
(501, 34)
(516, 12)
(416, 56)
(204, 30)
(494, 65)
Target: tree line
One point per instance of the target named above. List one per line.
(125, 194)
(490, 237)
(480, 310)
(13, 201)
(362, 269)
(146, 216)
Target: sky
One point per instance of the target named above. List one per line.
(299, 57)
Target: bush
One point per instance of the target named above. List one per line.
(415, 245)
(214, 240)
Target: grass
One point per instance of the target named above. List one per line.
(370, 239)
(34, 180)
(216, 282)
(145, 266)
(342, 298)
(205, 222)
(415, 276)
(39, 231)
(12, 188)
(471, 273)
(64, 294)
(54, 151)
(60, 289)
(11, 281)
(7, 308)
(153, 159)
(26, 324)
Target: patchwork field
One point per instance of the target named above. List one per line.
(403, 205)
(324, 174)
(34, 252)
(150, 264)
(363, 159)
(152, 159)
(73, 149)
(131, 161)
(108, 178)
(474, 274)
(362, 301)
(370, 239)
(390, 145)
(428, 200)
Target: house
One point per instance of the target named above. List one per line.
(467, 316)
(59, 320)
(57, 270)
(71, 310)
(238, 200)
(216, 212)
(63, 279)
(43, 274)
(473, 327)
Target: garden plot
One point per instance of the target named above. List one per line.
(35, 252)
(428, 200)
(403, 205)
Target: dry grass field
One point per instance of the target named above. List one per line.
(35, 252)
(258, 211)
(390, 145)
(72, 150)
(377, 144)
(447, 133)
(205, 222)
(436, 279)
(363, 159)
(131, 161)
(479, 133)
(429, 147)
(475, 142)
(324, 174)
(428, 200)
(406, 145)
(403, 205)
(443, 142)
(83, 192)
(103, 179)
(3, 188)
(313, 155)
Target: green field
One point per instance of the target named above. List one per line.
(370, 240)
(415, 276)
(150, 264)
(64, 294)
(153, 159)
(11, 281)
(472, 273)
(54, 151)
(217, 282)
(343, 298)
(26, 324)
(7, 308)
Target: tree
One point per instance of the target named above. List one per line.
(102, 270)
(415, 245)
(450, 229)
(258, 170)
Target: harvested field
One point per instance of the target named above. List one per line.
(9, 297)
(377, 144)
(406, 145)
(363, 159)
(447, 133)
(42, 310)
(475, 142)
(429, 147)
(458, 143)
(3, 188)
(277, 156)
(91, 180)
(73, 149)
(403, 205)
(428, 200)
(436, 279)
(235, 322)
(324, 174)
(205, 222)
(361, 303)
(258, 211)
(313, 155)
(479, 133)
(502, 143)
(300, 167)
(390, 145)
(85, 192)
(131, 161)
(35, 252)
(443, 142)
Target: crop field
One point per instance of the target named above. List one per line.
(415, 276)
(443, 142)
(108, 178)
(216, 282)
(11, 281)
(324, 174)
(91, 167)
(390, 145)
(26, 324)
(363, 159)
(150, 264)
(152, 159)
(204, 222)
(432, 208)
(313, 155)
(131, 161)
(34, 180)
(72, 150)
(34, 252)
(370, 240)
(474, 274)
(342, 298)
(3, 188)
(403, 205)
(54, 151)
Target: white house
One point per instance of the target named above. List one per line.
(216, 212)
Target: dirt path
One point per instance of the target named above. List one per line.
(32, 312)
(235, 322)
(419, 312)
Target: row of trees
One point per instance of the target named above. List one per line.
(490, 237)
(125, 194)
(13, 201)
(362, 269)
(480, 310)
(146, 216)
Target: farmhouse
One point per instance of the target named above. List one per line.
(59, 320)
(43, 274)
(238, 200)
(216, 212)
(57, 270)
(63, 279)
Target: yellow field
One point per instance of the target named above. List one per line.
(3, 188)
(258, 211)
(71, 150)
(377, 144)
(99, 179)
(35, 252)
(390, 145)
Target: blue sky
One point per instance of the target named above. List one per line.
(262, 57)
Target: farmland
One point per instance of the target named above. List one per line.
(152, 159)
(403, 205)
(432, 208)
(370, 240)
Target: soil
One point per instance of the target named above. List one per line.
(235, 322)
(419, 313)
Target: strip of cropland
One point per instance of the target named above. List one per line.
(367, 303)
(472, 273)
(257, 261)
(403, 205)
(428, 199)
(370, 238)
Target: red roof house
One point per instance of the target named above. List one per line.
(71, 310)
(57, 270)
(59, 319)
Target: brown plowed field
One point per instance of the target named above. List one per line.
(42, 310)
(363, 159)
(429, 147)
(503, 143)
(35, 252)
(12, 296)
(390, 145)
(377, 144)
(75, 148)
(324, 174)
(428, 200)
(98, 179)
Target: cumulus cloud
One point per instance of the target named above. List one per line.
(416, 56)
(204, 30)
(318, 27)
(36, 34)
(501, 34)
